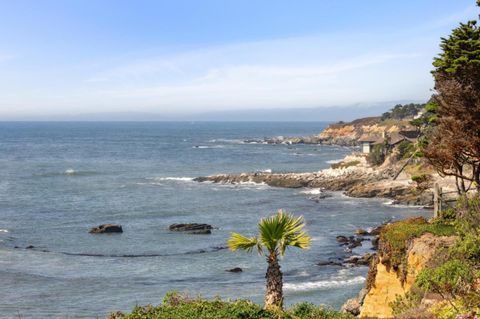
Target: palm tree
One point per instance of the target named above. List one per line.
(276, 233)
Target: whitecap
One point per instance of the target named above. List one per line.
(70, 171)
(178, 179)
(208, 146)
(3, 230)
(323, 284)
(313, 191)
(335, 161)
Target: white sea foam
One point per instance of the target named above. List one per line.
(208, 146)
(178, 179)
(3, 230)
(70, 171)
(226, 140)
(323, 284)
(335, 161)
(269, 170)
(314, 191)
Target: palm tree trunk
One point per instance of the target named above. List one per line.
(274, 292)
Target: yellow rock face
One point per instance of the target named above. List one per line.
(387, 283)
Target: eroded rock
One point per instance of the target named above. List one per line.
(106, 228)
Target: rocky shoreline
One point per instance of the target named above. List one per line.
(354, 181)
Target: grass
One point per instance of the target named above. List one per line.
(176, 306)
(345, 164)
(395, 237)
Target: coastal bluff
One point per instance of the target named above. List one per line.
(386, 283)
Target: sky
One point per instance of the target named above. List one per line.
(70, 57)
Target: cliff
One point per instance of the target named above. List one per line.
(349, 133)
(392, 276)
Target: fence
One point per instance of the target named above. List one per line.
(441, 201)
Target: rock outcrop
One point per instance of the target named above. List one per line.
(193, 228)
(106, 228)
(387, 283)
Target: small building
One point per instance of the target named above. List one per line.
(367, 142)
(389, 140)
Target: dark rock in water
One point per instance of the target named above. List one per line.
(329, 263)
(106, 228)
(355, 242)
(360, 260)
(375, 241)
(30, 247)
(361, 232)
(194, 228)
(342, 239)
(236, 269)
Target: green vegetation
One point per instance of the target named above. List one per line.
(400, 112)
(345, 164)
(454, 272)
(405, 149)
(176, 306)
(395, 238)
(452, 142)
(377, 155)
(276, 234)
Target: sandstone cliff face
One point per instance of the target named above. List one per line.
(349, 133)
(387, 284)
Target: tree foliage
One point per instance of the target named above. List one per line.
(453, 145)
(400, 112)
(276, 234)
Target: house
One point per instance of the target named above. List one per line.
(368, 141)
(392, 139)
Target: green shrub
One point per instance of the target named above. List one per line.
(345, 164)
(405, 149)
(177, 306)
(377, 155)
(409, 301)
(452, 277)
(394, 237)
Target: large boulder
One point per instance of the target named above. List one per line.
(236, 269)
(106, 228)
(192, 228)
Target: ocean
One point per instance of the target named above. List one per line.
(58, 179)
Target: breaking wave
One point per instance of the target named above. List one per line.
(323, 284)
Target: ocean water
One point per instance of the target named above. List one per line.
(59, 179)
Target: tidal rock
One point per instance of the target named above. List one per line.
(30, 247)
(329, 263)
(360, 260)
(236, 269)
(375, 241)
(106, 228)
(361, 231)
(193, 228)
(342, 239)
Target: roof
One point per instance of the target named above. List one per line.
(371, 138)
(395, 138)
(410, 135)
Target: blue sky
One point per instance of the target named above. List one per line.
(72, 57)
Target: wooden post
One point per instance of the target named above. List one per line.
(437, 200)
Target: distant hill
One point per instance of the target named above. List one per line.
(331, 113)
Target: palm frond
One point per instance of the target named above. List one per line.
(279, 231)
(238, 241)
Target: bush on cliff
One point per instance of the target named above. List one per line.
(453, 273)
(177, 306)
(396, 236)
